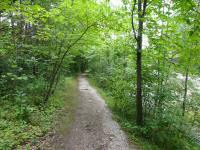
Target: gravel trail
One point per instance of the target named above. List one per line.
(94, 128)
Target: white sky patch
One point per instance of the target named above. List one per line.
(116, 3)
(113, 3)
(145, 43)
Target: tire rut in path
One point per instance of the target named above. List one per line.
(94, 128)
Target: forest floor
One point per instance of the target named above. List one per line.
(93, 127)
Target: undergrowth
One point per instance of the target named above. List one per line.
(150, 136)
(16, 130)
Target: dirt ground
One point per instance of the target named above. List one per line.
(94, 128)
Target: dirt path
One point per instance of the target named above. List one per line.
(94, 128)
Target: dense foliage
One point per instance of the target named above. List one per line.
(42, 41)
(39, 42)
(170, 72)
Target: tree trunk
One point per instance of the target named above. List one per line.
(139, 90)
(139, 106)
(142, 4)
(185, 91)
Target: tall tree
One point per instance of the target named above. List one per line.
(141, 11)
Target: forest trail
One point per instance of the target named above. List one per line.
(94, 128)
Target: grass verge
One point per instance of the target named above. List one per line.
(63, 118)
(15, 133)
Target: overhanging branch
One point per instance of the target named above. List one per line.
(73, 43)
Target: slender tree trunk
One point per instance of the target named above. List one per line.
(56, 83)
(185, 91)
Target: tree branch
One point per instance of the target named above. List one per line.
(144, 8)
(71, 45)
(132, 20)
(58, 66)
(79, 38)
